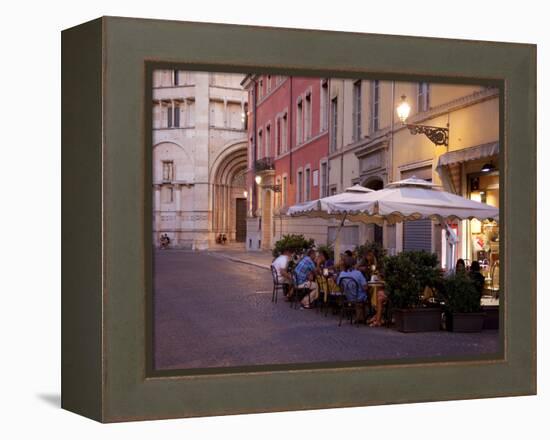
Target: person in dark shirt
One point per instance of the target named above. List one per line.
(460, 266)
(477, 277)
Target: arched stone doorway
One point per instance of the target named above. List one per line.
(228, 194)
(376, 183)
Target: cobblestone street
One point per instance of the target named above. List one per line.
(211, 311)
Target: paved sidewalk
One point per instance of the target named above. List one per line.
(261, 259)
(212, 312)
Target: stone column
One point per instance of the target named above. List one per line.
(177, 196)
(156, 214)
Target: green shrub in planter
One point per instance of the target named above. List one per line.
(463, 311)
(407, 275)
(298, 244)
(460, 294)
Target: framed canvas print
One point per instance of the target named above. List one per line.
(264, 219)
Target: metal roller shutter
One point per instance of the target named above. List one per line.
(417, 235)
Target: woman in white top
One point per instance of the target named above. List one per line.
(281, 264)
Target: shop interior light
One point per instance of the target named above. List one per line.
(488, 167)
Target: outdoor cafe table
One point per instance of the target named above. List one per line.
(373, 287)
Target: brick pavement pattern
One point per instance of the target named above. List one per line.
(211, 311)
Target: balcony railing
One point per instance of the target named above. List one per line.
(264, 164)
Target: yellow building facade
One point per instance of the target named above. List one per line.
(371, 146)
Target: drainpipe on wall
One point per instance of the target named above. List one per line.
(390, 159)
(290, 124)
(342, 137)
(254, 152)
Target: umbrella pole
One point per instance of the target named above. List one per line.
(337, 244)
(452, 240)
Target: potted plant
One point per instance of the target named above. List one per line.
(462, 304)
(297, 243)
(406, 276)
(328, 249)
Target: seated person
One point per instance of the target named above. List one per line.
(368, 264)
(280, 264)
(477, 277)
(381, 300)
(460, 266)
(305, 272)
(359, 296)
(323, 261)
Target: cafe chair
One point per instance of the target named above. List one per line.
(277, 285)
(348, 303)
(324, 291)
(333, 297)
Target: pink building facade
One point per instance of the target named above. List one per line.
(288, 147)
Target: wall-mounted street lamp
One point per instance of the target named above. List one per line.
(438, 135)
(245, 194)
(274, 188)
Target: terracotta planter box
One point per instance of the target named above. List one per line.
(418, 320)
(491, 321)
(465, 322)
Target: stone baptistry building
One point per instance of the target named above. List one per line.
(199, 157)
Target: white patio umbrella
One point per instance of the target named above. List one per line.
(320, 207)
(323, 208)
(409, 199)
(412, 199)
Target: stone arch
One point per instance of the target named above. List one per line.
(373, 182)
(376, 183)
(228, 183)
(227, 152)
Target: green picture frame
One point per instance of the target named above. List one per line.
(106, 201)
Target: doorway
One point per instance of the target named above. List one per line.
(377, 184)
(240, 220)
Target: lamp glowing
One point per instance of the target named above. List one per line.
(403, 109)
(245, 194)
(488, 167)
(258, 179)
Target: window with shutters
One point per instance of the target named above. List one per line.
(307, 193)
(356, 110)
(167, 170)
(423, 97)
(177, 116)
(333, 124)
(375, 96)
(324, 105)
(300, 189)
(169, 117)
(299, 122)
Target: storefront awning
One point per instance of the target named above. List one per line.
(449, 164)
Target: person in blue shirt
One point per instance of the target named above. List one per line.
(351, 272)
(305, 272)
(359, 297)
